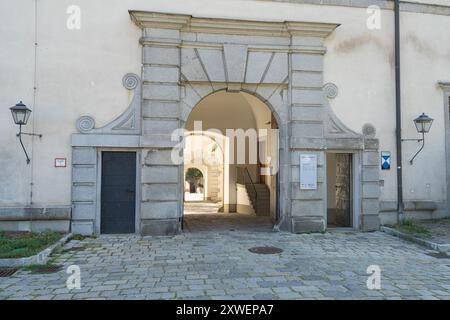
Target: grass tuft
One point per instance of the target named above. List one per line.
(36, 267)
(80, 237)
(410, 227)
(25, 244)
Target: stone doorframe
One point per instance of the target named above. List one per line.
(186, 59)
(122, 134)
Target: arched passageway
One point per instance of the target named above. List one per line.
(194, 184)
(233, 139)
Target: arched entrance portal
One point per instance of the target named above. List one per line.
(187, 61)
(194, 185)
(232, 137)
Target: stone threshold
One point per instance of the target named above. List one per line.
(39, 258)
(443, 248)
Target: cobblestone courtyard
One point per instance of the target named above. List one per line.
(218, 265)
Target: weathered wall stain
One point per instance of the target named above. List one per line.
(409, 40)
(423, 47)
(354, 43)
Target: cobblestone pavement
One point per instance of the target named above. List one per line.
(439, 230)
(218, 265)
(227, 221)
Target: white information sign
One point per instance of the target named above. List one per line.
(60, 162)
(308, 171)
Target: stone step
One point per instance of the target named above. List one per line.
(261, 205)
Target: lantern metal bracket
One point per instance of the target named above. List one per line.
(19, 135)
(420, 149)
(29, 134)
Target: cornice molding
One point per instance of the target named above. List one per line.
(445, 85)
(312, 29)
(147, 19)
(187, 23)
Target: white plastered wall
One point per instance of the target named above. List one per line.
(79, 72)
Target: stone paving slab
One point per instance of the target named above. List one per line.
(218, 265)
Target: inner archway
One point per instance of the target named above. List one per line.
(232, 137)
(195, 186)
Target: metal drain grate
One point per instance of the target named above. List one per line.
(265, 250)
(440, 255)
(7, 272)
(47, 269)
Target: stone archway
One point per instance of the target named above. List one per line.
(195, 182)
(245, 129)
(187, 58)
(209, 159)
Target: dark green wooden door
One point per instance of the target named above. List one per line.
(118, 194)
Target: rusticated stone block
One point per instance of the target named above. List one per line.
(307, 62)
(302, 225)
(158, 157)
(162, 56)
(307, 129)
(370, 222)
(307, 208)
(160, 192)
(160, 109)
(161, 74)
(160, 174)
(166, 92)
(165, 227)
(307, 96)
(82, 227)
(84, 155)
(159, 210)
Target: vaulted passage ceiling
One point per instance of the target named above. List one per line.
(225, 110)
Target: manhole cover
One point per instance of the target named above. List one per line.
(47, 269)
(438, 255)
(265, 250)
(7, 272)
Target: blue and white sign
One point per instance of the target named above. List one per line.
(385, 160)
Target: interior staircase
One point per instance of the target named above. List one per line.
(259, 196)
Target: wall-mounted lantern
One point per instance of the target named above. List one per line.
(20, 114)
(423, 125)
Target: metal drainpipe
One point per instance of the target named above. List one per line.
(398, 112)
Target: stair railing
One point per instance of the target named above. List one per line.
(247, 174)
